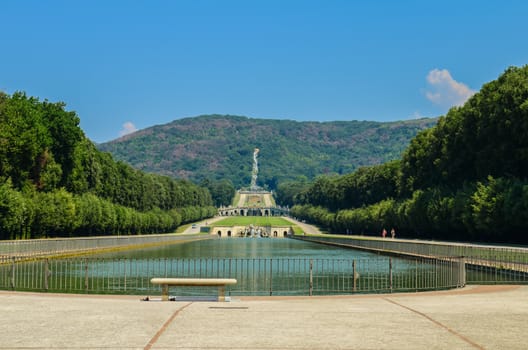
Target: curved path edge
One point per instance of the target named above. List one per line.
(474, 317)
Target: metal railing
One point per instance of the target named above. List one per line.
(285, 276)
(26, 265)
(23, 249)
(484, 263)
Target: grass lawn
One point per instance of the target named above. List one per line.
(297, 230)
(255, 220)
(182, 228)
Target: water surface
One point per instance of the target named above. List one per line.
(243, 248)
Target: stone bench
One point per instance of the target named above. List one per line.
(193, 282)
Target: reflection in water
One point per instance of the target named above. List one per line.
(243, 248)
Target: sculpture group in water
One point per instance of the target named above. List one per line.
(253, 231)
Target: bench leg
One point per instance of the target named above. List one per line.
(165, 292)
(221, 293)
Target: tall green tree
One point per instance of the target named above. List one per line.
(464, 179)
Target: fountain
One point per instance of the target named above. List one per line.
(254, 172)
(254, 200)
(254, 232)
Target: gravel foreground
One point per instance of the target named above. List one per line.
(475, 317)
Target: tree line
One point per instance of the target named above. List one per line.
(463, 179)
(54, 182)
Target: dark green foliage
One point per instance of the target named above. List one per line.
(464, 179)
(290, 192)
(365, 186)
(220, 147)
(487, 136)
(14, 211)
(54, 182)
(495, 210)
(222, 192)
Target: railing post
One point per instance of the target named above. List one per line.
(436, 273)
(85, 274)
(125, 271)
(311, 278)
(12, 279)
(47, 273)
(416, 274)
(271, 277)
(461, 272)
(390, 274)
(354, 274)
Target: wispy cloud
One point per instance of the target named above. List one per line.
(417, 115)
(445, 90)
(128, 128)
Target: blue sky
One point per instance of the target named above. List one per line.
(126, 65)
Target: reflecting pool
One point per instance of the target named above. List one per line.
(242, 248)
(261, 266)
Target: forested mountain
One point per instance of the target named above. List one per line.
(464, 179)
(54, 182)
(220, 147)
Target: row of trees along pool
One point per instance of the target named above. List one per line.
(464, 179)
(54, 182)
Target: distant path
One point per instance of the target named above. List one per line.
(242, 200)
(268, 202)
(307, 228)
(197, 225)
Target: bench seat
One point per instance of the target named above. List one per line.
(193, 282)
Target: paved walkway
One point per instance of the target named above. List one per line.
(307, 228)
(194, 229)
(242, 200)
(476, 317)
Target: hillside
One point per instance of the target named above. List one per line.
(221, 146)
